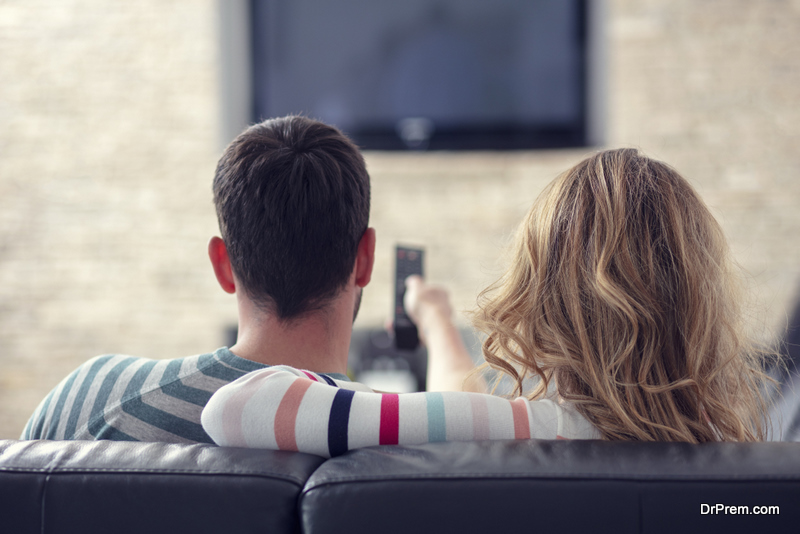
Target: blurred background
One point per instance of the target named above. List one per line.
(113, 115)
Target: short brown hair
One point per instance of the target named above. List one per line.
(292, 197)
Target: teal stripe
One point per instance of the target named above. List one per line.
(38, 423)
(58, 409)
(229, 358)
(106, 431)
(436, 420)
(172, 386)
(26, 434)
(97, 422)
(80, 397)
(133, 405)
(210, 366)
(134, 387)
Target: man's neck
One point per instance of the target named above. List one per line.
(318, 342)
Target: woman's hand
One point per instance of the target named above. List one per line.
(427, 305)
(449, 363)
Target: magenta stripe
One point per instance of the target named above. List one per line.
(309, 375)
(390, 419)
(480, 417)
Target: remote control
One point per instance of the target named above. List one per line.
(408, 261)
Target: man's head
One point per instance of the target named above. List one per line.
(292, 198)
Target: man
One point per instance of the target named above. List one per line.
(292, 198)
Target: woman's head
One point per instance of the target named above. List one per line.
(622, 292)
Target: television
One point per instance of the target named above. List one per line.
(426, 74)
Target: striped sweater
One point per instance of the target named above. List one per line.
(136, 399)
(282, 408)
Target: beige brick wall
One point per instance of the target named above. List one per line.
(108, 140)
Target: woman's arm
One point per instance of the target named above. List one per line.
(449, 363)
(282, 408)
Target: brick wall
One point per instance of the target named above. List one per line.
(108, 139)
(109, 135)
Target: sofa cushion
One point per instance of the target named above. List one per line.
(104, 486)
(554, 486)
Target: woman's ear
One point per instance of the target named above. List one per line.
(218, 254)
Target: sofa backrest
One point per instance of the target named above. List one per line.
(492, 486)
(116, 487)
(556, 486)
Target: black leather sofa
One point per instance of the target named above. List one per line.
(486, 487)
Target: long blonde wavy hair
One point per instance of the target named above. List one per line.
(623, 297)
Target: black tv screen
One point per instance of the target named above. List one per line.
(426, 74)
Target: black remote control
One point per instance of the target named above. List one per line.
(408, 261)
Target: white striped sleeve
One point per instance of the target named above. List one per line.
(286, 409)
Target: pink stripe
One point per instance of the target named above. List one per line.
(561, 437)
(522, 428)
(390, 419)
(480, 417)
(233, 408)
(286, 416)
(309, 375)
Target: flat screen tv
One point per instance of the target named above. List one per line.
(426, 74)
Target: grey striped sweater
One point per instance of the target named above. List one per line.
(126, 398)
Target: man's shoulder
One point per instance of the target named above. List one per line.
(124, 397)
(145, 374)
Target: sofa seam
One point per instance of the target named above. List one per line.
(43, 504)
(558, 476)
(72, 470)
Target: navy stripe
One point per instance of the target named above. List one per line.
(329, 380)
(80, 397)
(338, 421)
(97, 421)
(172, 386)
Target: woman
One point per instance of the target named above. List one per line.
(621, 302)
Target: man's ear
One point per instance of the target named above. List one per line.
(365, 258)
(218, 254)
